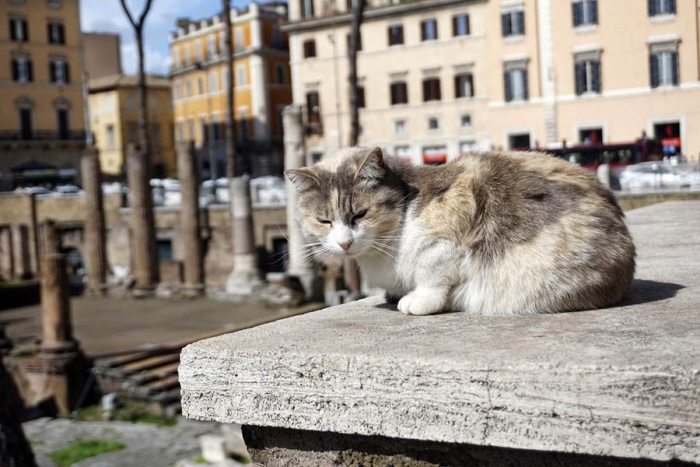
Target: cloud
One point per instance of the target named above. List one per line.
(108, 16)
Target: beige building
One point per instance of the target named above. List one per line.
(114, 118)
(262, 79)
(102, 54)
(443, 77)
(42, 129)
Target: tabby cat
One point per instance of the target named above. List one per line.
(489, 233)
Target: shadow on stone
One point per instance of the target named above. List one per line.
(644, 291)
(281, 446)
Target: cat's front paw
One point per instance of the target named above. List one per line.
(421, 303)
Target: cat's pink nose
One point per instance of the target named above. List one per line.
(345, 245)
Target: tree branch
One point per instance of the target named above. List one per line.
(128, 14)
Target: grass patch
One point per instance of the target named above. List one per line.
(81, 450)
(134, 412)
(91, 413)
(153, 420)
(199, 460)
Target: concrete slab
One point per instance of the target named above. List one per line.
(622, 382)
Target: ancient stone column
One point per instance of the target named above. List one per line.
(7, 257)
(245, 277)
(299, 265)
(95, 233)
(23, 261)
(145, 260)
(55, 294)
(190, 228)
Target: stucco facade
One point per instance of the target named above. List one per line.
(42, 122)
(522, 58)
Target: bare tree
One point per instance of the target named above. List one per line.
(139, 169)
(358, 9)
(244, 275)
(351, 273)
(143, 90)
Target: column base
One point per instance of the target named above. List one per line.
(192, 290)
(141, 292)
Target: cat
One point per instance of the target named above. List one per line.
(489, 233)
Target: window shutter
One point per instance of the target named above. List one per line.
(580, 74)
(521, 22)
(504, 24)
(52, 72)
(438, 92)
(455, 25)
(61, 34)
(66, 72)
(426, 90)
(25, 31)
(423, 28)
(674, 68)
(13, 33)
(458, 88)
(15, 70)
(470, 79)
(466, 22)
(652, 7)
(30, 71)
(578, 13)
(48, 32)
(654, 70)
(595, 69)
(526, 92)
(594, 11)
(507, 86)
(672, 6)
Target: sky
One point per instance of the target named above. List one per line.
(108, 16)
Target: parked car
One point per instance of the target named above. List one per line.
(68, 190)
(660, 174)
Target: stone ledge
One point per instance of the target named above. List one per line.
(621, 382)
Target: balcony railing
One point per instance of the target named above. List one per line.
(42, 136)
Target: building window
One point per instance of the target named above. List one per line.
(243, 123)
(59, 72)
(188, 57)
(515, 81)
(400, 127)
(465, 147)
(239, 41)
(277, 39)
(188, 88)
(241, 76)
(190, 129)
(56, 33)
(360, 97)
(460, 25)
(465, 121)
(359, 42)
(222, 43)
(54, 3)
(132, 132)
(431, 90)
(428, 30)
(19, 32)
(587, 72)
(211, 45)
(62, 122)
(200, 86)
(513, 22)
(399, 93)
(519, 141)
(110, 137)
(590, 136)
(585, 12)
(663, 66)
(433, 123)
(176, 57)
(198, 52)
(164, 250)
(309, 48)
(464, 85)
(434, 155)
(280, 74)
(180, 135)
(403, 152)
(396, 34)
(213, 82)
(224, 79)
(662, 7)
(177, 91)
(307, 8)
(313, 109)
(26, 127)
(22, 70)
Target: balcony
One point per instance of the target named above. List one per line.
(42, 136)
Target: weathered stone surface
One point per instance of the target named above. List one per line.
(621, 382)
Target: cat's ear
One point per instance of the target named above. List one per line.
(372, 166)
(303, 179)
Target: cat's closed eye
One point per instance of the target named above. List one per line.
(324, 221)
(359, 215)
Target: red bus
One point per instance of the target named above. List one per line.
(618, 156)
